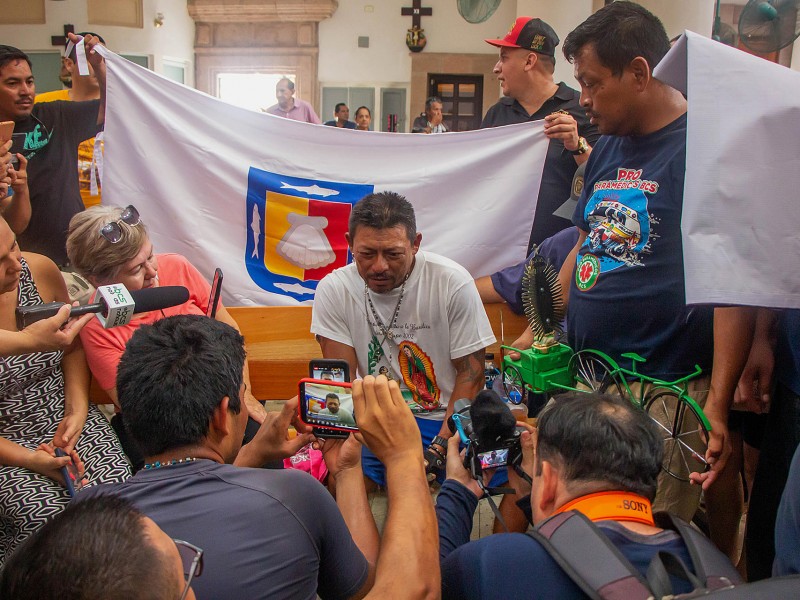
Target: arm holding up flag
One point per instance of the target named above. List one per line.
(98, 64)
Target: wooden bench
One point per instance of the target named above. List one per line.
(280, 344)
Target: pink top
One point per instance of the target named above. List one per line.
(301, 111)
(104, 347)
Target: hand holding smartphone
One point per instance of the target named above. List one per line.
(6, 131)
(327, 406)
(72, 478)
(329, 369)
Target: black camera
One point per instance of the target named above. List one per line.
(490, 432)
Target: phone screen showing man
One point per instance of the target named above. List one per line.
(328, 405)
(493, 458)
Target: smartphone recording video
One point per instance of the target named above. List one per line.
(327, 405)
(329, 369)
(493, 458)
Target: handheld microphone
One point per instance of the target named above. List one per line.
(116, 306)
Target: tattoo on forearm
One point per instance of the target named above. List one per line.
(469, 368)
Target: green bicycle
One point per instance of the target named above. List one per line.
(550, 367)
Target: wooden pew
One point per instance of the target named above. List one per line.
(280, 344)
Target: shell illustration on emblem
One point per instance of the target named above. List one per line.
(305, 243)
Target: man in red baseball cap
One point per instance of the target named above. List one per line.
(525, 71)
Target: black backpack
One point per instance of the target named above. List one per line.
(589, 558)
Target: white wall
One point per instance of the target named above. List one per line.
(174, 41)
(388, 59)
(385, 63)
(563, 17)
(677, 15)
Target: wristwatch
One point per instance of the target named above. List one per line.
(440, 441)
(583, 147)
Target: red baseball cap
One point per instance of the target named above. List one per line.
(530, 34)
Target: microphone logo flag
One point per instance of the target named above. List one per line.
(120, 305)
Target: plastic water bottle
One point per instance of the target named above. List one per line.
(490, 372)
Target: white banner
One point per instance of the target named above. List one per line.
(267, 199)
(741, 208)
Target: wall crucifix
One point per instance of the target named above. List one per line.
(416, 12)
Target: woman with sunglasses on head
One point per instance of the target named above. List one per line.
(109, 245)
(44, 407)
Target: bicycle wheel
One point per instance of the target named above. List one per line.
(595, 372)
(513, 385)
(685, 436)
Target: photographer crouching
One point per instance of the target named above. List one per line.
(594, 454)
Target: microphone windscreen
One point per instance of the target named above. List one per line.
(157, 298)
(491, 418)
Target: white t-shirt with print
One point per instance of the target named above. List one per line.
(440, 318)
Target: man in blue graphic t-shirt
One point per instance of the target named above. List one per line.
(625, 274)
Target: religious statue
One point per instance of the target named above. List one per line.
(415, 39)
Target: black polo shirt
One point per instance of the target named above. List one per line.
(559, 165)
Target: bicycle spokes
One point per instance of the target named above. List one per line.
(685, 437)
(594, 372)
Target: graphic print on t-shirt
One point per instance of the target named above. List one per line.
(417, 371)
(620, 226)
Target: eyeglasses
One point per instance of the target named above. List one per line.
(113, 232)
(192, 559)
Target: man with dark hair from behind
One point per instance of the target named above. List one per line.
(100, 548)
(266, 533)
(590, 453)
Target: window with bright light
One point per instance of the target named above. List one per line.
(255, 91)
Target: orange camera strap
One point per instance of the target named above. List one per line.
(614, 506)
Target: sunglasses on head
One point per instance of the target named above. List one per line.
(113, 232)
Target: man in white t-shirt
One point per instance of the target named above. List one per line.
(412, 315)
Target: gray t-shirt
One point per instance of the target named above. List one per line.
(266, 533)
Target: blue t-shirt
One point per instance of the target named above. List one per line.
(514, 565)
(787, 353)
(627, 293)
